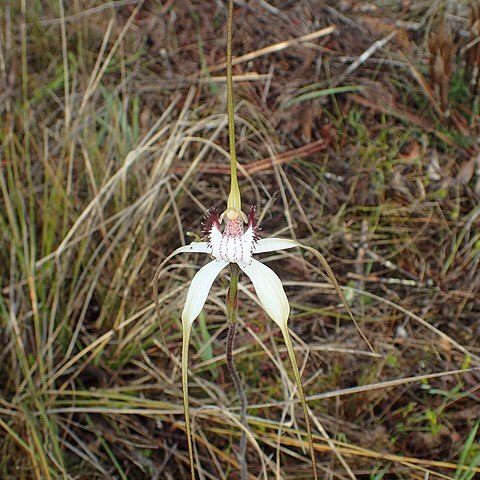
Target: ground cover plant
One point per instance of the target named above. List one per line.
(357, 134)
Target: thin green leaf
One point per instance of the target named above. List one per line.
(320, 93)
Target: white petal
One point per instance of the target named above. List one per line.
(270, 291)
(248, 244)
(274, 244)
(198, 291)
(215, 234)
(194, 247)
(216, 241)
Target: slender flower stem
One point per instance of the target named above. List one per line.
(232, 311)
(231, 126)
(232, 304)
(234, 203)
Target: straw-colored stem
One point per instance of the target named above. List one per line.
(335, 284)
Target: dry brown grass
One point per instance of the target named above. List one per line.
(113, 138)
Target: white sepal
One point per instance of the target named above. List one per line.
(270, 291)
(198, 291)
(272, 244)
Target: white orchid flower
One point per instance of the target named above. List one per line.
(236, 244)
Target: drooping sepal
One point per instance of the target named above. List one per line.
(269, 290)
(198, 291)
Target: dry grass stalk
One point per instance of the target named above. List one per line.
(473, 49)
(442, 49)
(89, 388)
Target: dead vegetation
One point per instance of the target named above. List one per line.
(357, 132)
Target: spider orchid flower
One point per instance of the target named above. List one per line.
(236, 245)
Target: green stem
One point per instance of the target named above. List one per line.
(232, 306)
(232, 312)
(231, 127)
(231, 114)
